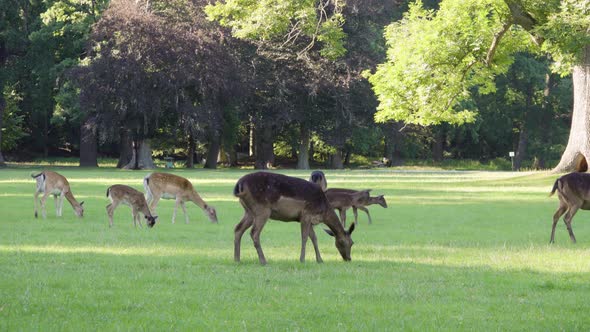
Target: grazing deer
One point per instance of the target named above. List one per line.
(573, 191)
(121, 194)
(52, 183)
(343, 199)
(268, 195)
(170, 186)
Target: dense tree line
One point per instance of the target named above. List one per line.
(248, 82)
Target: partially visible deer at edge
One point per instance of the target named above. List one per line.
(573, 191)
(52, 183)
(121, 194)
(268, 195)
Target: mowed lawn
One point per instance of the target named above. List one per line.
(454, 251)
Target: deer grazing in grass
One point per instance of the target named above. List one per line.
(170, 186)
(343, 199)
(121, 194)
(573, 191)
(268, 195)
(52, 183)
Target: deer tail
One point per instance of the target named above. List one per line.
(239, 189)
(36, 176)
(146, 187)
(555, 187)
(108, 191)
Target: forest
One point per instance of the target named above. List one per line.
(295, 83)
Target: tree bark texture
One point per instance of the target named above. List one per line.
(438, 143)
(125, 148)
(578, 145)
(88, 143)
(213, 153)
(142, 155)
(336, 160)
(190, 154)
(303, 153)
(264, 147)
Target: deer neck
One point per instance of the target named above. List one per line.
(334, 224)
(70, 197)
(195, 198)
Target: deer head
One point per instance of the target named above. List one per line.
(151, 220)
(211, 214)
(343, 243)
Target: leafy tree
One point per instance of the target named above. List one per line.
(465, 44)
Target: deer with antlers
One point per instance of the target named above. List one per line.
(52, 183)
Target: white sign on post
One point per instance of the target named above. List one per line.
(511, 153)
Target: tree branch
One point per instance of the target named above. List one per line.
(497, 37)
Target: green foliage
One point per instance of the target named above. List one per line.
(284, 21)
(566, 33)
(434, 58)
(13, 127)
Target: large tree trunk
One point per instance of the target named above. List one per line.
(303, 153)
(336, 160)
(88, 143)
(264, 147)
(578, 145)
(190, 154)
(546, 116)
(438, 143)
(213, 153)
(2, 107)
(523, 140)
(125, 148)
(142, 155)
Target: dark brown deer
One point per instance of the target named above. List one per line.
(122, 194)
(268, 195)
(573, 191)
(343, 199)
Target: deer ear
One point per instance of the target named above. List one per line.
(81, 203)
(351, 229)
(329, 232)
(155, 217)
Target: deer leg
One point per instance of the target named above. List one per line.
(305, 225)
(43, 199)
(314, 240)
(175, 209)
(239, 230)
(136, 218)
(343, 217)
(56, 203)
(61, 203)
(154, 203)
(560, 211)
(356, 216)
(184, 211)
(362, 208)
(569, 215)
(110, 211)
(257, 226)
(35, 199)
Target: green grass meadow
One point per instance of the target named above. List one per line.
(454, 251)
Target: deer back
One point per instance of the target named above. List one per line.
(267, 188)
